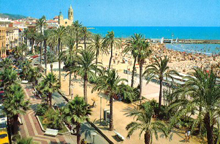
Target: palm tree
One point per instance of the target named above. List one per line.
(41, 23)
(25, 34)
(97, 47)
(109, 82)
(160, 70)
(76, 112)
(69, 56)
(85, 67)
(85, 34)
(143, 53)
(14, 103)
(46, 37)
(25, 141)
(59, 35)
(32, 35)
(110, 42)
(7, 63)
(204, 97)
(49, 85)
(34, 75)
(132, 46)
(77, 27)
(8, 77)
(143, 122)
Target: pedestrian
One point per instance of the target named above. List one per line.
(188, 134)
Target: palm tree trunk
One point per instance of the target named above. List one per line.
(50, 99)
(132, 75)
(41, 47)
(70, 83)
(147, 138)
(110, 60)
(77, 40)
(160, 93)
(84, 42)
(209, 128)
(59, 62)
(78, 133)
(140, 79)
(45, 55)
(111, 126)
(85, 87)
(96, 61)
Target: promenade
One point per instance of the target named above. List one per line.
(31, 127)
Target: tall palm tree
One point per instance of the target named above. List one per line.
(77, 27)
(159, 70)
(85, 34)
(143, 122)
(143, 52)
(110, 42)
(204, 97)
(14, 103)
(46, 37)
(41, 23)
(25, 35)
(76, 112)
(85, 67)
(69, 56)
(49, 85)
(32, 35)
(97, 47)
(132, 46)
(109, 82)
(59, 35)
(34, 75)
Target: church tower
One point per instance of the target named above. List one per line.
(60, 18)
(70, 14)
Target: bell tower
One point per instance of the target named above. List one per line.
(70, 14)
(60, 18)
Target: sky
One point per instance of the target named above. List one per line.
(122, 12)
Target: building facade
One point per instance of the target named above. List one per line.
(2, 42)
(66, 22)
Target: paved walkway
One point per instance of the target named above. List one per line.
(31, 127)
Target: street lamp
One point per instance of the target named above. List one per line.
(100, 109)
(93, 135)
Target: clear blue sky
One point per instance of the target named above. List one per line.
(123, 12)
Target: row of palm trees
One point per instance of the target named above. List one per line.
(81, 62)
(14, 102)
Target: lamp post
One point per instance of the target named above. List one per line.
(100, 109)
(93, 139)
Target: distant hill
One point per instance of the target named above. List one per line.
(12, 16)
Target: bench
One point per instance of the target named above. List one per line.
(51, 132)
(24, 81)
(119, 136)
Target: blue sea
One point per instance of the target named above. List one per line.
(199, 33)
(206, 33)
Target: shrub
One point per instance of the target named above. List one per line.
(128, 93)
(41, 109)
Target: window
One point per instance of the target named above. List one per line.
(65, 22)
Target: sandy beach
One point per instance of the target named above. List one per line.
(181, 62)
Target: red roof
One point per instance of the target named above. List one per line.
(51, 21)
(56, 17)
(16, 22)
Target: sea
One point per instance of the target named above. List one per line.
(198, 33)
